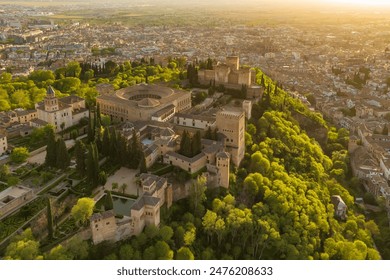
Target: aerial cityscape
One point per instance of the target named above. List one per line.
(172, 130)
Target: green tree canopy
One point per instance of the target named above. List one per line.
(19, 154)
(83, 210)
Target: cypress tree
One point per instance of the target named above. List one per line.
(186, 144)
(196, 144)
(243, 91)
(91, 126)
(113, 145)
(108, 203)
(142, 164)
(106, 142)
(122, 151)
(196, 78)
(63, 159)
(50, 225)
(92, 166)
(51, 149)
(184, 137)
(98, 138)
(267, 100)
(98, 117)
(135, 150)
(96, 165)
(79, 151)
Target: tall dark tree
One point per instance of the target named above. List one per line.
(185, 144)
(80, 154)
(122, 150)
(276, 90)
(98, 116)
(51, 149)
(266, 100)
(91, 125)
(110, 67)
(142, 164)
(63, 159)
(98, 138)
(50, 225)
(108, 202)
(114, 145)
(192, 74)
(106, 142)
(92, 166)
(135, 150)
(196, 144)
(243, 92)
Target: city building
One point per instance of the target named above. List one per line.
(61, 112)
(103, 226)
(231, 123)
(202, 122)
(144, 102)
(155, 192)
(212, 159)
(231, 76)
(247, 106)
(25, 116)
(3, 144)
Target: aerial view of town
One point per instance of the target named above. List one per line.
(194, 130)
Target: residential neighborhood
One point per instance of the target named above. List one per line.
(145, 131)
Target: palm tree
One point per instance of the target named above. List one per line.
(114, 186)
(123, 187)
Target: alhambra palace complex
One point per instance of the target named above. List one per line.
(159, 115)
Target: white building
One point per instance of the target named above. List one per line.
(61, 113)
(195, 121)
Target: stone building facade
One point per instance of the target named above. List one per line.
(155, 192)
(231, 76)
(66, 111)
(144, 102)
(231, 123)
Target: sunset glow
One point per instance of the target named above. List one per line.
(361, 2)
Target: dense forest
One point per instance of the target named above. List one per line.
(278, 205)
(81, 80)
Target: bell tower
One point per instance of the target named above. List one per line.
(51, 101)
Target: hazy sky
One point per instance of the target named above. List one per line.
(381, 4)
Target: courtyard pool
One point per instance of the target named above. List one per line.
(122, 205)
